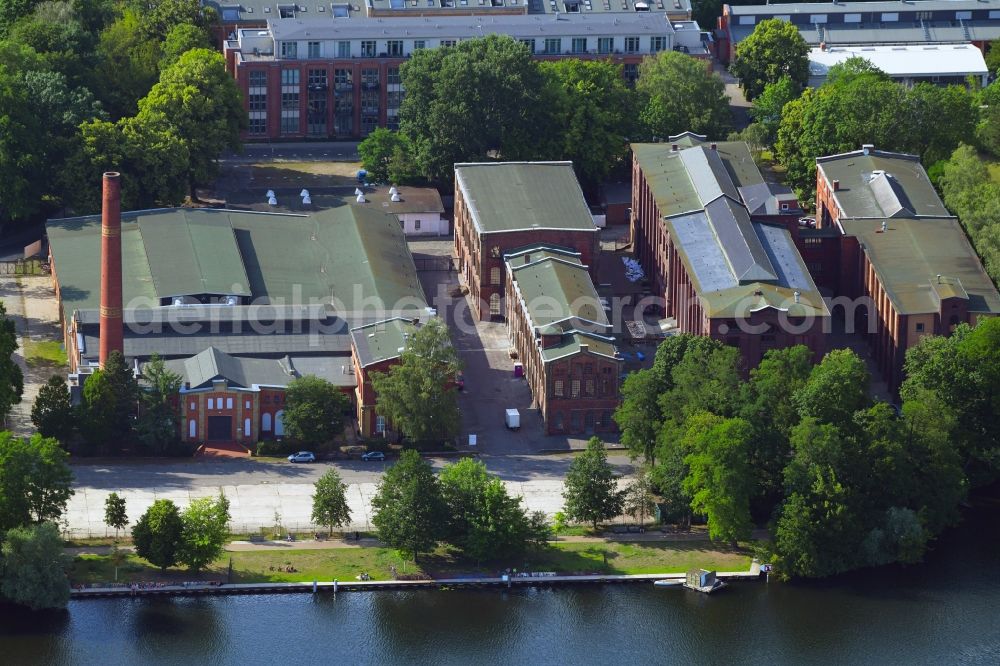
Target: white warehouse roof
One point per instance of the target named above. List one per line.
(914, 60)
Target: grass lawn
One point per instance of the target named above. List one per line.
(39, 353)
(348, 563)
(305, 174)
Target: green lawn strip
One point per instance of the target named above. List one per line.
(44, 352)
(347, 563)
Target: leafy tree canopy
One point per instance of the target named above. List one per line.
(35, 480)
(418, 394)
(774, 50)
(52, 412)
(314, 410)
(34, 567)
(157, 534)
(591, 491)
(409, 512)
(204, 530)
(330, 506)
(678, 93)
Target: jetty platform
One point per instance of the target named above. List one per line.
(524, 580)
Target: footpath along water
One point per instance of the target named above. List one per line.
(941, 612)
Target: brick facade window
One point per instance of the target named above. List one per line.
(495, 276)
(557, 388)
(575, 388)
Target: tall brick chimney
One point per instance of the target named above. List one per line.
(112, 331)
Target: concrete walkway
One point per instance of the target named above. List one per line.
(30, 302)
(375, 585)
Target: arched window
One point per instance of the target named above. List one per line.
(495, 304)
(266, 422)
(192, 429)
(246, 428)
(279, 424)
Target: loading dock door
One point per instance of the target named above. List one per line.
(220, 428)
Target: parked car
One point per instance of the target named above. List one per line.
(302, 457)
(373, 455)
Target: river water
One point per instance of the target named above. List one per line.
(945, 611)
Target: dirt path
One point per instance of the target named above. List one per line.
(31, 303)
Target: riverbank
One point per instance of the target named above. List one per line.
(275, 564)
(507, 581)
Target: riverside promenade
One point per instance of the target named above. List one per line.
(537, 579)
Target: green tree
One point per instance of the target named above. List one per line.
(34, 567)
(478, 100)
(594, 109)
(970, 193)
(115, 514)
(485, 521)
(380, 153)
(766, 403)
(52, 412)
(821, 524)
(837, 388)
(157, 534)
(199, 101)
(418, 395)
(314, 410)
(160, 16)
(993, 57)
(204, 530)
(35, 480)
(182, 38)
(774, 50)
(409, 512)
(11, 377)
(591, 490)
(962, 373)
(127, 64)
(110, 400)
(720, 481)
(638, 416)
(330, 501)
(766, 109)
(678, 93)
(639, 500)
(159, 415)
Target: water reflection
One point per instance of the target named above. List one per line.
(944, 611)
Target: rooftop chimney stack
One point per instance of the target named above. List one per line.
(836, 186)
(112, 332)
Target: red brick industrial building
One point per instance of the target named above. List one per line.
(562, 336)
(718, 244)
(901, 256)
(502, 207)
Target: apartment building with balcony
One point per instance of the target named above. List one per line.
(332, 77)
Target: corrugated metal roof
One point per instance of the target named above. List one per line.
(908, 184)
(193, 254)
(706, 262)
(735, 234)
(910, 255)
(785, 258)
(708, 174)
(380, 341)
(511, 196)
(353, 257)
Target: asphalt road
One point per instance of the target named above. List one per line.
(190, 474)
(263, 494)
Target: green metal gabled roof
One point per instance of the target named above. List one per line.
(555, 290)
(911, 253)
(511, 196)
(881, 184)
(192, 254)
(380, 341)
(353, 257)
